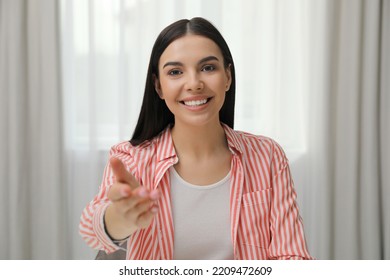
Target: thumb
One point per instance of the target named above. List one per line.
(121, 174)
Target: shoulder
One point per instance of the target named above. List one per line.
(259, 148)
(122, 148)
(249, 139)
(128, 150)
(250, 143)
(144, 151)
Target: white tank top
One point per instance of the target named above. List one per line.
(201, 219)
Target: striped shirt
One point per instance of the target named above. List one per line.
(264, 216)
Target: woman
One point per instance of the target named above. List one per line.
(187, 186)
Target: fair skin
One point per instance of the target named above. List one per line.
(193, 82)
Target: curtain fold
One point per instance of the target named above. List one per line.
(106, 49)
(352, 127)
(33, 220)
(314, 75)
(384, 127)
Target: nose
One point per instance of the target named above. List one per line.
(194, 83)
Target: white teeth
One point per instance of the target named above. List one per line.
(195, 103)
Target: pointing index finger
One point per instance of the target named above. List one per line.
(121, 174)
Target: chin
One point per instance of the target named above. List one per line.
(199, 122)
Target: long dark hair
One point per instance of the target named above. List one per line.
(155, 115)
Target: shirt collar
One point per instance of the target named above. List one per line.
(233, 140)
(165, 145)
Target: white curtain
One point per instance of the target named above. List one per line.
(106, 47)
(346, 167)
(311, 74)
(32, 196)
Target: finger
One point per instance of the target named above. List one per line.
(138, 196)
(146, 218)
(119, 191)
(154, 195)
(142, 207)
(121, 174)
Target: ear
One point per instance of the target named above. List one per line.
(157, 86)
(228, 72)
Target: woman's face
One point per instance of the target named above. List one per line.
(193, 80)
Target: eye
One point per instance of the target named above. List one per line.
(208, 68)
(174, 72)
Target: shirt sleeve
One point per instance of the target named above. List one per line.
(287, 232)
(91, 226)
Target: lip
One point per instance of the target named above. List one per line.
(195, 98)
(196, 108)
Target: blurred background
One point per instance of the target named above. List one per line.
(312, 74)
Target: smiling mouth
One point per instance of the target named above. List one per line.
(194, 103)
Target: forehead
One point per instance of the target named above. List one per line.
(190, 48)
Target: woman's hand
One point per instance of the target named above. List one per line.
(132, 205)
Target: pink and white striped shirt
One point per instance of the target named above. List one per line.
(264, 216)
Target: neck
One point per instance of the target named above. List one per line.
(199, 142)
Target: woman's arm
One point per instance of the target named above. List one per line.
(287, 233)
(120, 208)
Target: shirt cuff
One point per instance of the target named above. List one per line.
(108, 245)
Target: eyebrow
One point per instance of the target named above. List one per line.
(177, 63)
